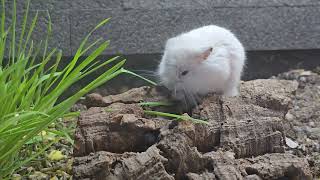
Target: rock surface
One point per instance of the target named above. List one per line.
(302, 122)
(244, 138)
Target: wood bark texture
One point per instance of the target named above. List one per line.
(245, 137)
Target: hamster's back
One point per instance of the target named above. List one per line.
(206, 36)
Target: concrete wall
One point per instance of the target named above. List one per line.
(142, 26)
(279, 34)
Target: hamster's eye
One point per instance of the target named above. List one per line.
(184, 73)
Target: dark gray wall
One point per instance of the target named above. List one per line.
(260, 64)
(279, 34)
(142, 26)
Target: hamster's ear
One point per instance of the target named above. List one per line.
(205, 54)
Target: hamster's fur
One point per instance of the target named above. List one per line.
(207, 59)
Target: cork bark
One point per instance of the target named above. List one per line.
(244, 137)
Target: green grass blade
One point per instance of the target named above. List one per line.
(3, 32)
(134, 74)
(52, 78)
(155, 104)
(3, 18)
(25, 18)
(49, 30)
(88, 72)
(178, 117)
(91, 46)
(33, 24)
(13, 32)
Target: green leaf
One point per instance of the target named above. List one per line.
(32, 86)
(177, 117)
(154, 104)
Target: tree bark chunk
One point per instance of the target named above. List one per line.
(244, 138)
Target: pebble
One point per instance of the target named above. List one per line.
(297, 129)
(315, 133)
(29, 169)
(306, 73)
(316, 147)
(303, 147)
(312, 124)
(315, 130)
(307, 130)
(231, 155)
(38, 175)
(292, 144)
(289, 116)
(16, 177)
(303, 79)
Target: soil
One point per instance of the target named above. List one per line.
(269, 131)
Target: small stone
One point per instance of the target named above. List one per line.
(297, 128)
(308, 140)
(30, 169)
(307, 130)
(290, 143)
(303, 147)
(303, 79)
(296, 107)
(289, 116)
(231, 155)
(38, 175)
(16, 177)
(252, 177)
(315, 131)
(316, 147)
(78, 107)
(312, 124)
(306, 73)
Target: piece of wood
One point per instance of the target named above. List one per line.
(118, 141)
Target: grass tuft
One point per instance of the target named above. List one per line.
(29, 91)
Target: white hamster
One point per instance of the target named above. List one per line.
(204, 60)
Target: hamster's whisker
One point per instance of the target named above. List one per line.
(143, 70)
(198, 98)
(160, 82)
(190, 97)
(185, 102)
(185, 96)
(146, 72)
(172, 65)
(193, 100)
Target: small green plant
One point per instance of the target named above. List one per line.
(29, 91)
(176, 116)
(169, 115)
(155, 104)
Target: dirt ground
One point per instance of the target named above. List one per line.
(270, 131)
